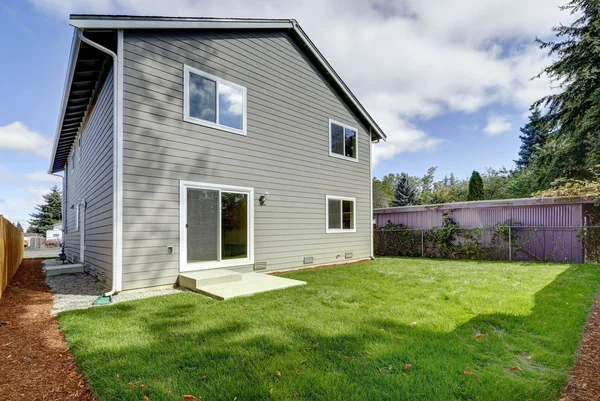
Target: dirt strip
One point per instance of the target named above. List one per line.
(584, 382)
(35, 363)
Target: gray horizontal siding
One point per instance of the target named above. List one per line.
(92, 180)
(286, 151)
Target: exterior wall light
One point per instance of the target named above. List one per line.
(263, 199)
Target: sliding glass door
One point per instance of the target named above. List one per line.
(216, 226)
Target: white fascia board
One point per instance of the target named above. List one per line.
(75, 44)
(177, 23)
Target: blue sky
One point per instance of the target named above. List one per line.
(449, 84)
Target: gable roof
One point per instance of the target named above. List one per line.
(88, 66)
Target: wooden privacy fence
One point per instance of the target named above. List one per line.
(11, 252)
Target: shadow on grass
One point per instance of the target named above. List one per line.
(219, 351)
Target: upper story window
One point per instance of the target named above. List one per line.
(343, 141)
(340, 214)
(73, 161)
(79, 147)
(213, 102)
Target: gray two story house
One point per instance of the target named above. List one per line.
(189, 144)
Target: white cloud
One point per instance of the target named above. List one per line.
(18, 137)
(38, 192)
(497, 124)
(405, 60)
(42, 176)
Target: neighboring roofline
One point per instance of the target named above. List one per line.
(75, 45)
(561, 200)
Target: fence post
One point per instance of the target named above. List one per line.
(422, 244)
(509, 244)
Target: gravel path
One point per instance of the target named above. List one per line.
(78, 291)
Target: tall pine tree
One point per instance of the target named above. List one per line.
(406, 192)
(574, 113)
(535, 134)
(48, 213)
(476, 187)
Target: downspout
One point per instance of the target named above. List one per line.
(116, 274)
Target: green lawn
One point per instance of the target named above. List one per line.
(349, 335)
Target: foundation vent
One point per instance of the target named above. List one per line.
(348, 255)
(309, 260)
(260, 266)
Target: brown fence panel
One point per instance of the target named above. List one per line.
(11, 252)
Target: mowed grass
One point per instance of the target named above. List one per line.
(349, 335)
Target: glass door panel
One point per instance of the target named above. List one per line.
(234, 225)
(202, 225)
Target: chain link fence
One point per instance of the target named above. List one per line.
(501, 242)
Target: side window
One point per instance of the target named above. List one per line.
(79, 139)
(343, 141)
(341, 214)
(213, 101)
(73, 161)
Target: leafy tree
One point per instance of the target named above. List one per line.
(427, 181)
(380, 197)
(389, 183)
(496, 183)
(406, 192)
(535, 134)
(476, 187)
(48, 213)
(573, 114)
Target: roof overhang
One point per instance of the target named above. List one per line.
(84, 21)
(72, 115)
(85, 73)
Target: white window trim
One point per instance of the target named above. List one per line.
(187, 70)
(339, 230)
(183, 265)
(356, 146)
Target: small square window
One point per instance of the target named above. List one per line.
(213, 102)
(341, 214)
(342, 140)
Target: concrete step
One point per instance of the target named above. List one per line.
(55, 270)
(250, 284)
(203, 278)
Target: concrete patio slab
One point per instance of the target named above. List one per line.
(250, 284)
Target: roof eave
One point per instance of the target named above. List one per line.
(124, 22)
(75, 44)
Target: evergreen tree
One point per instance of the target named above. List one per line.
(476, 187)
(573, 115)
(406, 192)
(535, 134)
(48, 213)
(20, 227)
